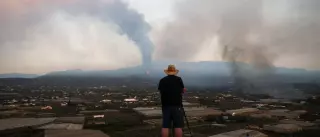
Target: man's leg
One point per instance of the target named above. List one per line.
(178, 123)
(166, 121)
(178, 132)
(165, 132)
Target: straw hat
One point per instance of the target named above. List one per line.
(171, 70)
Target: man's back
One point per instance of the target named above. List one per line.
(171, 88)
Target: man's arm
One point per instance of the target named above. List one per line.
(160, 85)
(182, 85)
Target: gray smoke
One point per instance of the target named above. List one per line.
(18, 30)
(277, 28)
(135, 26)
(249, 31)
(131, 22)
(297, 34)
(233, 22)
(237, 23)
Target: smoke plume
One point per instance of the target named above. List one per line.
(45, 35)
(237, 24)
(232, 22)
(248, 31)
(279, 30)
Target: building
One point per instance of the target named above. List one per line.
(13, 127)
(46, 127)
(229, 103)
(283, 113)
(66, 123)
(302, 124)
(188, 104)
(74, 133)
(269, 101)
(97, 112)
(241, 133)
(12, 123)
(148, 111)
(242, 111)
(155, 122)
(106, 101)
(74, 120)
(282, 128)
(60, 126)
(9, 96)
(190, 111)
(130, 100)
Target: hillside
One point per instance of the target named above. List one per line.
(200, 74)
(18, 75)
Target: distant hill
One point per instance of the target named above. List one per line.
(197, 69)
(193, 73)
(186, 69)
(196, 75)
(18, 75)
(155, 70)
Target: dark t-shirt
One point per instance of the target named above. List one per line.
(171, 89)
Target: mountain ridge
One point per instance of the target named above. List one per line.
(156, 69)
(18, 75)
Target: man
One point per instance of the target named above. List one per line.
(171, 88)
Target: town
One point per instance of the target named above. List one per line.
(121, 111)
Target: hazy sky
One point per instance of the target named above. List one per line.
(39, 36)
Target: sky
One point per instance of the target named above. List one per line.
(40, 36)
(155, 11)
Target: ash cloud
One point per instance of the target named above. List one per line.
(297, 35)
(233, 22)
(71, 34)
(248, 32)
(237, 24)
(135, 26)
(279, 30)
(131, 22)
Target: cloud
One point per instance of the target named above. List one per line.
(69, 42)
(248, 26)
(195, 32)
(246, 31)
(45, 35)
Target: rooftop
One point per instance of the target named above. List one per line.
(98, 111)
(66, 126)
(74, 120)
(74, 133)
(241, 133)
(282, 128)
(190, 111)
(12, 123)
(242, 110)
(283, 113)
(299, 123)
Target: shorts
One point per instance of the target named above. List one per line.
(172, 116)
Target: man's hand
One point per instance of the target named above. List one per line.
(184, 90)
